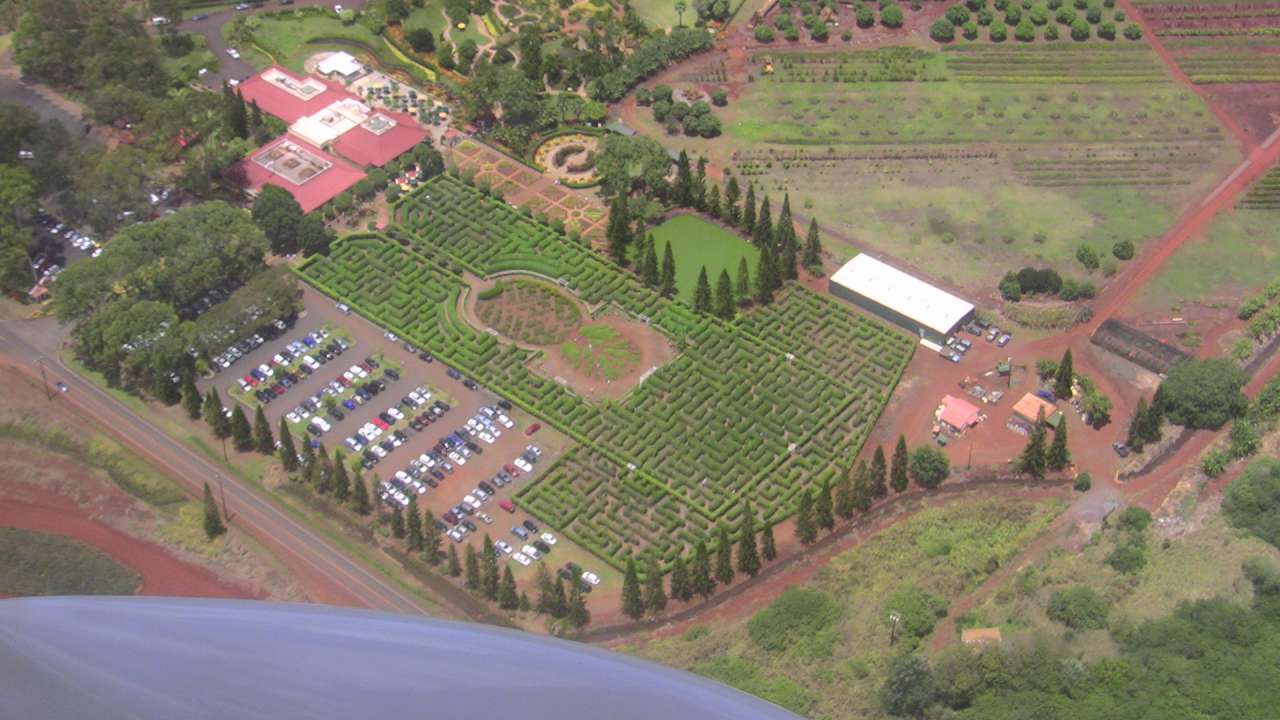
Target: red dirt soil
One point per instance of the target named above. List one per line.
(32, 508)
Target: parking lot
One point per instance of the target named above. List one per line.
(480, 406)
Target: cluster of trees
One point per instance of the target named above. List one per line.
(655, 53)
(287, 230)
(1037, 458)
(1062, 377)
(1214, 652)
(1202, 394)
(697, 575)
(1247, 428)
(694, 118)
(126, 303)
(1252, 501)
(424, 156)
(1026, 18)
(1044, 281)
(232, 424)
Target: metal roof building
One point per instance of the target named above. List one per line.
(925, 310)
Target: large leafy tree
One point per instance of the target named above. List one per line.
(898, 470)
(929, 466)
(1202, 393)
(633, 164)
(632, 599)
(278, 214)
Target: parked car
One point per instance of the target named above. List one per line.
(507, 505)
(520, 532)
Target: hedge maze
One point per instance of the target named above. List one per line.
(760, 409)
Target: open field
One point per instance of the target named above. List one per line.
(37, 563)
(971, 160)
(704, 431)
(288, 36)
(697, 243)
(822, 648)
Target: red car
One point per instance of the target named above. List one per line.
(533, 429)
(344, 382)
(450, 518)
(512, 470)
(507, 505)
(253, 381)
(381, 425)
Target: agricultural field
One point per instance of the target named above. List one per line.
(600, 352)
(1230, 48)
(37, 563)
(974, 159)
(703, 432)
(822, 648)
(697, 243)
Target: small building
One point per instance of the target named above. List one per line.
(341, 65)
(958, 414)
(980, 636)
(923, 309)
(1032, 406)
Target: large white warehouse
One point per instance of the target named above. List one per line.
(923, 309)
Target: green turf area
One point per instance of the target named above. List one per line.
(35, 563)
(744, 411)
(602, 352)
(287, 35)
(1236, 255)
(431, 17)
(186, 67)
(696, 243)
(474, 31)
(821, 649)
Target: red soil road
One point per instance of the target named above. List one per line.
(1156, 44)
(162, 573)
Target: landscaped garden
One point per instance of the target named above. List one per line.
(697, 243)
(600, 352)
(737, 416)
(528, 311)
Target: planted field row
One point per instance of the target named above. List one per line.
(704, 432)
(1047, 64)
(1230, 67)
(1265, 194)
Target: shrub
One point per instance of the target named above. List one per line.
(1129, 556)
(846, 36)
(1123, 249)
(985, 17)
(864, 16)
(1093, 14)
(917, 609)
(943, 31)
(1066, 15)
(1087, 256)
(1134, 519)
(998, 33)
(1051, 32)
(720, 97)
(891, 17)
(1039, 15)
(795, 615)
(1034, 282)
(1084, 481)
(1215, 462)
(1079, 608)
(1013, 17)
(1252, 502)
(1107, 31)
(1202, 394)
(970, 30)
(1025, 32)
(957, 15)
(1080, 30)
(1010, 288)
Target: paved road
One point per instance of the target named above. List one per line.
(302, 547)
(211, 29)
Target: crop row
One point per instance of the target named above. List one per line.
(714, 426)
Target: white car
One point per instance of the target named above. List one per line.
(457, 534)
(311, 362)
(234, 53)
(426, 461)
(324, 424)
(522, 559)
(377, 450)
(591, 577)
(358, 371)
(531, 551)
(505, 422)
(480, 494)
(503, 547)
(472, 502)
(292, 417)
(393, 412)
(457, 458)
(537, 451)
(265, 369)
(487, 437)
(520, 463)
(485, 518)
(548, 538)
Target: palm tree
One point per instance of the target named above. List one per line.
(680, 8)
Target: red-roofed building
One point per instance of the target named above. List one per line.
(368, 147)
(288, 96)
(311, 175)
(958, 414)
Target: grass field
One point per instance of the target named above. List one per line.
(1236, 255)
(431, 17)
(33, 563)
(696, 243)
(973, 160)
(833, 668)
(286, 36)
(601, 352)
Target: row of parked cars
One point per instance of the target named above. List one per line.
(379, 437)
(305, 356)
(237, 350)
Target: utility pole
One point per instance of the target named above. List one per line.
(222, 492)
(224, 450)
(969, 463)
(45, 381)
(894, 619)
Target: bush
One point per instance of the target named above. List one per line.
(1034, 282)
(1132, 32)
(891, 17)
(1084, 481)
(1066, 15)
(1079, 608)
(917, 609)
(998, 33)
(943, 31)
(1130, 556)
(1025, 32)
(1107, 31)
(795, 615)
(971, 30)
(1134, 519)
(1010, 288)
(985, 17)
(1093, 14)
(720, 97)
(864, 16)
(1051, 32)
(1013, 17)
(929, 466)
(1202, 394)
(957, 15)
(1080, 30)
(1215, 462)
(1039, 15)
(1252, 502)
(1123, 250)
(1087, 256)
(846, 36)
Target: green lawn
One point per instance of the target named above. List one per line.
(34, 563)
(187, 66)
(697, 243)
(431, 17)
(286, 36)
(1236, 255)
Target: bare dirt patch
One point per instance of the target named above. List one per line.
(528, 311)
(606, 358)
